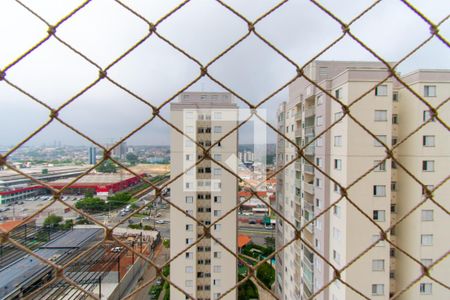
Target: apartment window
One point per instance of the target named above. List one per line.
(428, 140)
(319, 121)
(189, 241)
(429, 187)
(217, 199)
(336, 234)
(336, 256)
(426, 239)
(188, 283)
(217, 129)
(216, 296)
(338, 93)
(217, 157)
(189, 227)
(379, 190)
(380, 115)
(394, 140)
(188, 114)
(378, 265)
(217, 115)
(337, 189)
(338, 164)
(377, 289)
(425, 288)
(217, 254)
(317, 202)
(189, 255)
(395, 96)
(319, 142)
(319, 100)
(393, 186)
(380, 166)
(337, 211)
(375, 238)
(188, 269)
(427, 215)
(381, 90)
(382, 138)
(317, 243)
(379, 215)
(189, 199)
(217, 269)
(338, 141)
(427, 116)
(394, 119)
(216, 282)
(319, 162)
(217, 171)
(287, 129)
(338, 115)
(217, 213)
(318, 224)
(426, 262)
(428, 165)
(218, 227)
(318, 182)
(429, 91)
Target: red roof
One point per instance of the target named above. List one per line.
(243, 240)
(9, 225)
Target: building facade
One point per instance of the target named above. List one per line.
(205, 191)
(345, 152)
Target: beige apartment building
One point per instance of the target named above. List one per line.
(386, 194)
(206, 192)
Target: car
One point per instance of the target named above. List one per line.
(158, 215)
(116, 249)
(160, 222)
(251, 222)
(146, 218)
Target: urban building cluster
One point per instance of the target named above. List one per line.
(345, 152)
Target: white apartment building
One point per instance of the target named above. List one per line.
(347, 151)
(206, 192)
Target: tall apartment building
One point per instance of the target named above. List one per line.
(345, 152)
(206, 192)
(92, 155)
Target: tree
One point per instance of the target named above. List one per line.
(68, 224)
(107, 167)
(132, 158)
(247, 290)
(91, 205)
(266, 274)
(52, 221)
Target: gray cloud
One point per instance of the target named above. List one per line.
(103, 30)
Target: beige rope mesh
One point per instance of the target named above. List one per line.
(52, 32)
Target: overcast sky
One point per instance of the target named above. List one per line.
(103, 30)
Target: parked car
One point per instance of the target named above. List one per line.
(116, 249)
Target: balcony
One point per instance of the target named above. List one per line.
(310, 150)
(309, 188)
(298, 166)
(310, 112)
(298, 132)
(298, 116)
(309, 169)
(309, 131)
